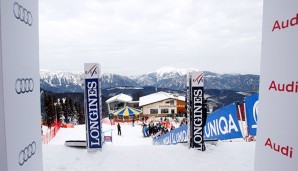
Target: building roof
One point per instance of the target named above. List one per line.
(159, 96)
(120, 98)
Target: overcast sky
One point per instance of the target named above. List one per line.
(133, 37)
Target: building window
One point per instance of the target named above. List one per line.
(172, 111)
(164, 110)
(171, 102)
(153, 111)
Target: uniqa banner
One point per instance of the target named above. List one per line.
(251, 110)
(20, 125)
(178, 135)
(93, 106)
(223, 124)
(277, 142)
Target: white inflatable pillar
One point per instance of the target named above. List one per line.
(20, 130)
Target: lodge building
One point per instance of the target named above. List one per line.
(162, 104)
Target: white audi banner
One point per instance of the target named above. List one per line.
(277, 142)
(20, 130)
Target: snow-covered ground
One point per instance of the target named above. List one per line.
(133, 152)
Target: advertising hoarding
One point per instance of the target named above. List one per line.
(197, 104)
(252, 111)
(223, 124)
(93, 106)
(178, 135)
(20, 133)
(277, 142)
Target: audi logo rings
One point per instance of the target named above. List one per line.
(24, 85)
(27, 153)
(22, 14)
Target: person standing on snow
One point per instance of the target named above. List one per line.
(119, 129)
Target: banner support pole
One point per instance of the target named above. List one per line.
(247, 131)
(241, 120)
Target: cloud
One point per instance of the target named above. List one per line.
(138, 36)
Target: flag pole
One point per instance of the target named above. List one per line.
(247, 131)
(241, 121)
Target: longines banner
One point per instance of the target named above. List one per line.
(252, 111)
(197, 103)
(223, 124)
(277, 142)
(93, 106)
(20, 132)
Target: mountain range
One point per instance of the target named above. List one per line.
(220, 89)
(169, 78)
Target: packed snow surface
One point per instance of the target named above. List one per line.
(133, 152)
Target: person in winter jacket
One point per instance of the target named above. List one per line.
(119, 129)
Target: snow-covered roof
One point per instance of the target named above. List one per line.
(120, 98)
(159, 96)
(181, 98)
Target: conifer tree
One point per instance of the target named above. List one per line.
(50, 109)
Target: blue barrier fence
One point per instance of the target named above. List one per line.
(252, 109)
(177, 135)
(222, 124)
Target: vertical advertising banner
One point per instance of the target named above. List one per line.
(277, 142)
(252, 111)
(197, 101)
(223, 124)
(93, 106)
(20, 131)
(187, 100)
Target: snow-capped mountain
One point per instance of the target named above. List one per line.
(176, 79)
(170, 78)
(115, 80)
(61, 81)
(166, 77)
(74, 81)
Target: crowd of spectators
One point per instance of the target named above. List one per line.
(160, 128)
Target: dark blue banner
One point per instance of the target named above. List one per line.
(93, 115)
(223, 124)
(177, 135)
(252, 107)
(197, 124)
